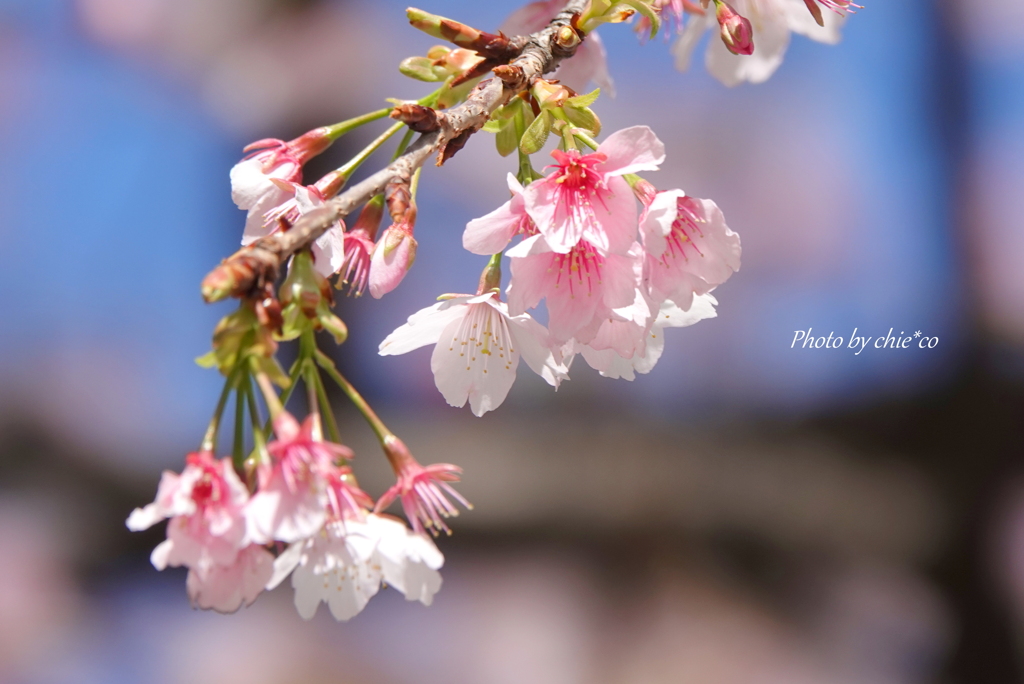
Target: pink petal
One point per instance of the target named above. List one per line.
(631, 150)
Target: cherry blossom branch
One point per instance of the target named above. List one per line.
(249, 270)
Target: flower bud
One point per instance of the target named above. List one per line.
(549, 94)
(643, 189)
(392, 259)
(735, 29)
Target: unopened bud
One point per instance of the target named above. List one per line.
(490, 278)
(735, 29)
(549, 94)
(643, 189)
(398, 196)
(417, 117)
(567, 38)
(511, 75)
(392, 259)
(442, 27)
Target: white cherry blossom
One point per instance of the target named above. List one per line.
(344, 565)
(477, 348)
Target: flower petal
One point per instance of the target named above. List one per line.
(630, 150)
(475, 359)
(423, 327)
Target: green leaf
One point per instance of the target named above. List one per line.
(537, 133)
(583, 117)
(272, 368)
(492, 125)
(420, 68)
(584, 100)
(207, 360)
(507, 140)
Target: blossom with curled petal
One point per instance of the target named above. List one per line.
(421, 489)
(343, 565)
(689, 249)
(260, 182)
(477, 348)
(291, 501)
(584, 198)
(772, 21)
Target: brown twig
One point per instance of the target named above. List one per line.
(255, 266)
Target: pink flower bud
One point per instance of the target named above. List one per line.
(392, 259)
(735, 29)
(645, 191)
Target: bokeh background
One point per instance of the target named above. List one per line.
(750, 513)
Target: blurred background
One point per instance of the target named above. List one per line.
(749, 513)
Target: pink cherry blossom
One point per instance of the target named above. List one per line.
(283, 208)
(588, 64)
(226, 588)
(205, 506)
(421, 489)
(490, 234)
(585, 198)
(291, 500)
(273, 159)
(771, 21)
(477, 348)
(689, 248)
(611, 364)
(392, 258)
(579, 287)
(207, 533)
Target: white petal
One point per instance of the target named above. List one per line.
(531, 339)
(329, 252)
(695, 28)
(285, 563)
(608, 363)
(254, 220)
(161, 554)
(144, 518)
(423, 327)
(657, 220)
(801, 21)
(248, 183)
(475, 359)
(309, 590)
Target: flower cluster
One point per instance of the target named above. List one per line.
(612, 276)
(613, 259)
(304, 495)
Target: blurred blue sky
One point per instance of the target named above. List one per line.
(117, 202)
